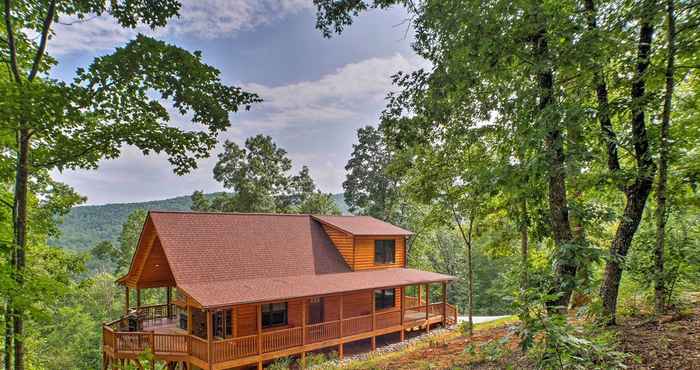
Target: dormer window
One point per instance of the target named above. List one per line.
(384, 251)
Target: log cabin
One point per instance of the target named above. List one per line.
(241, 290)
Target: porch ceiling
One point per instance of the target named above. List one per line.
(232, 292)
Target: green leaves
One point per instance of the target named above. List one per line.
(260, 179)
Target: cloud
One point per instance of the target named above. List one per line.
(315, 121)
(349, 93)
(200, 19)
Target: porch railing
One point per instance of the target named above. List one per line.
(323, 331)
(117, 340)
(357, 325)
(388, 319)
(231, 349)
(282, 339)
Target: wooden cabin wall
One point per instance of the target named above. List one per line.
(357, 304)
(364, 253)
(343, 242)
(247, 318)
(354, 304)
(156, 271)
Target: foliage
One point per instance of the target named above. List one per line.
(283, 363)
(120, 256)
(259, 179)
(555, 343)
(369, 187)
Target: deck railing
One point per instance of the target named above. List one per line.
(357, 325)
(231, 349)
(388, 319)
(199, 348)
(117, 340)
(156, 314)
(323, 331)
(411, 301)
(282, 339)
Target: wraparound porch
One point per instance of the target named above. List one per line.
(162, 334)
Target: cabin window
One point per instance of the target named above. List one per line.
(384, 298)
(274, 314)
(223, 325)
(384, 251)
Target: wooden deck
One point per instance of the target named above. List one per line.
(167, 342)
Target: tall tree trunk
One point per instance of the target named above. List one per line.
(467, 237)
(637, 193)
(19, 211)
(7, 355)
(524, 247)
(565, 269)
(664, 147)
(20, 237)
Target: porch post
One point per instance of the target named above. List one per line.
(420, 294)
(374, 321)
(126, 300)
(340, 341)
(444, 304)
(259, 329)
(234, 314)
(427, 307)
(168, 299)
(138, 298)
(403, 311)
(210, 338)
(303, 329)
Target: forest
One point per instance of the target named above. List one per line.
(548, 155)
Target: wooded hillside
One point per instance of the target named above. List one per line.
(85, 226)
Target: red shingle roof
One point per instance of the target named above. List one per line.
(223, 293)
(229, 258)
(362, 225)
(222, 246)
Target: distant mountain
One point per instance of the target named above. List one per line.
(85, 226)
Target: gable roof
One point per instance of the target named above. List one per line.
(231, 258)
(204, 247)
(362, 225)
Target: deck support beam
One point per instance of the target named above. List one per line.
(340, 345)
(444, 304)
(427, 307)
(210, 338)
(374, 319)
(126, 300)
(138, 298)
(259, 322)
(402, 291)
(168, 300)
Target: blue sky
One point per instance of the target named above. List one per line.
(317, 91)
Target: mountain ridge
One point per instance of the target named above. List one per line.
(85, 226)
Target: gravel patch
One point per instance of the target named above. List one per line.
(388, 348)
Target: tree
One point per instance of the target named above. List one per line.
(527, 76)
(369, 188)
(117, 100)
(121, 255)
(259, 179)
(664, 143)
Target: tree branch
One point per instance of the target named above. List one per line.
(44, 37)
(11, 42)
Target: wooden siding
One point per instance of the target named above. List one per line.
(357, 304)
(364, 253)
(156, 272)
(247, 319)
(342, 241)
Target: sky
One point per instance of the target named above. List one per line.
(317, 92)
